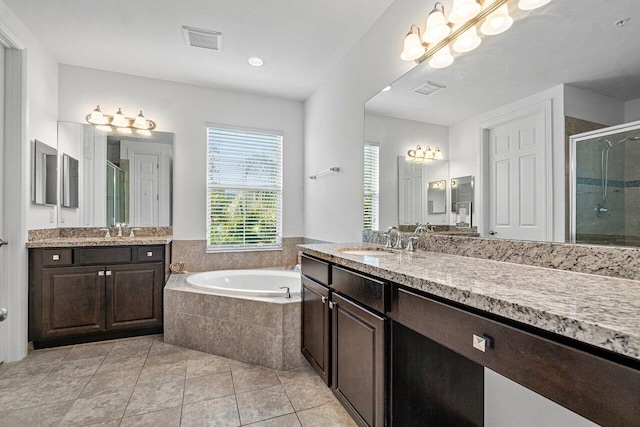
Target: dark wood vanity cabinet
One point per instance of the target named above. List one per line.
(88, 294)
(316, 321)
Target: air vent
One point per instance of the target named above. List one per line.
(429, 88)
(205, 39)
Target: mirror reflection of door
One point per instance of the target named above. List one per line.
(144, 180)
(517, 179)
(411, 194)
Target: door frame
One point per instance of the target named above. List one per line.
(14, 293)
(544, 108)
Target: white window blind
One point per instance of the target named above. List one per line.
(244, 189)
(371, 186)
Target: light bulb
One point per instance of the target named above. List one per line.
(124, 130)
(498, 22)
(467, 41)
(531, 4)
(438, 154)
(428, 154)
(413, 48)
(140, 122)
(437, 28)
(104, 128)
(463, 10)
(143, 132)
(96, 117)
(119, 120)
(441, 58)
(420, 153)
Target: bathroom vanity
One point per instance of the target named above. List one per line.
(89, 289)
(415, 338)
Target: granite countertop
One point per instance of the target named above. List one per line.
(597, 310)
(68, 242)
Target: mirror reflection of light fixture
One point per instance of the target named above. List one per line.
(437, 28)
(122, 124)
(463, 37)
(421, 154)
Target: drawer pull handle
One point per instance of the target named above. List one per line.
(149, 253)
(324, 300)
(108, 272)
(481, 343)
(101, 273)
(56, 257)
(332, 305)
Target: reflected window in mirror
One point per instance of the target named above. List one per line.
(371, 186)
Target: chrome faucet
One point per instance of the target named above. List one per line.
(420, 229)
(287, 294)
(120, 227)
(398, 238)
(387, 241)
(410, 243)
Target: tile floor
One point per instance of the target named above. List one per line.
(145, 382)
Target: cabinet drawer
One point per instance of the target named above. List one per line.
(56, 257)
(149, 253)
(315, 269)
(109, 255)
(370, 292)
(597, 388)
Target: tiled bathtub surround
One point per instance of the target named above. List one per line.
(193, 253)
(264, 332)
(623, 262)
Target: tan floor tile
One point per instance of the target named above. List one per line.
(79, 367)
(132, 347)
(48, 355)
(86, 351)
(206, 364)
(290, 420)
(263, 404)
(166, 372)
(254, 378)
(12, 397)
(297, 374)
(308, 393)
(331, 415)
(42, 416)
(98, 408)
(21, 374)
(114, 363)
(56, 388)
(112, 423)
(154, 397)
(208, 387)
(165, 418)
(219, 412)
(112, 381)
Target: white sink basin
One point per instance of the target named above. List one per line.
(367, 252)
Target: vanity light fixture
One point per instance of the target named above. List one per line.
(421, 154)
(460, 32)
(122, 124)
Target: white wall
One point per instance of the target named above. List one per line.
(396, 137)
(632, 111)
(41, 82)
(464, 149)
(334, 124)
(184, 109)
(593, 107)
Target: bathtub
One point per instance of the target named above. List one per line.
(239, 314)
(247, 283)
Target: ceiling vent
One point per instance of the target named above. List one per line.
(205, 39)
(429, 88)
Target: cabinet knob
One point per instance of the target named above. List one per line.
(149, 253)
(101, 273)
(108, 272)
(56, 257)
(332, 305)
(324, 300)
(481, 343)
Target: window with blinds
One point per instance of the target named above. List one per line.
(244, 189)
(371, 187)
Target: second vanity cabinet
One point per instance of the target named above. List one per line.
(85, 294)
(344, 335)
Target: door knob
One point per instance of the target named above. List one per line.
(3, 242)
(3, 314)
(493, 233)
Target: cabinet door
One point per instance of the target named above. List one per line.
(316, 326)
(72, 301)
(359, 361)
(134, 296)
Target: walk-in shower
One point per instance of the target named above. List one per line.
(605, 186)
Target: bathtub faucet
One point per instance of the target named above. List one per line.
(287, 294)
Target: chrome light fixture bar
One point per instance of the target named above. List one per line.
(463, 23)
(122, 124)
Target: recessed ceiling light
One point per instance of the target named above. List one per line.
(255, 61)
(386, 89)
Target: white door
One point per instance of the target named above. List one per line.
(517, 179)
(144, 203)
(3, 286)
(411, 191)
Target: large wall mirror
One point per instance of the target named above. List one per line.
(503, 116)
(44, 179)
(120, 178)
